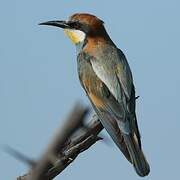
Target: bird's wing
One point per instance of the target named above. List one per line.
(124, 74)
(113, 101)
(112, 68)
(110, 124)
(126, 80)
(115, 73)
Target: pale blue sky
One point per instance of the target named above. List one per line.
(39, 82)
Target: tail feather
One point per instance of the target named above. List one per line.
(137, 157)
(129, 145)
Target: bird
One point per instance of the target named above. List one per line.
(106, 77)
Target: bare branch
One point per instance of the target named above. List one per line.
(71, 124)
(77, 146)
(64, 147)
(19, 156)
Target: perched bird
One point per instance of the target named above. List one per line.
(106, 77)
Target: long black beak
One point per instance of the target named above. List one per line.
(61, 24)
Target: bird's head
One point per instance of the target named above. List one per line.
(79, 26)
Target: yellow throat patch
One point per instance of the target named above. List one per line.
(76, 36)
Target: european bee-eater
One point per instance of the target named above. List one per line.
(106, 77)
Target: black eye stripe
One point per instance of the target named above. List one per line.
(74, 24)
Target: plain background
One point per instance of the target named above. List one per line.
(39, 82)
